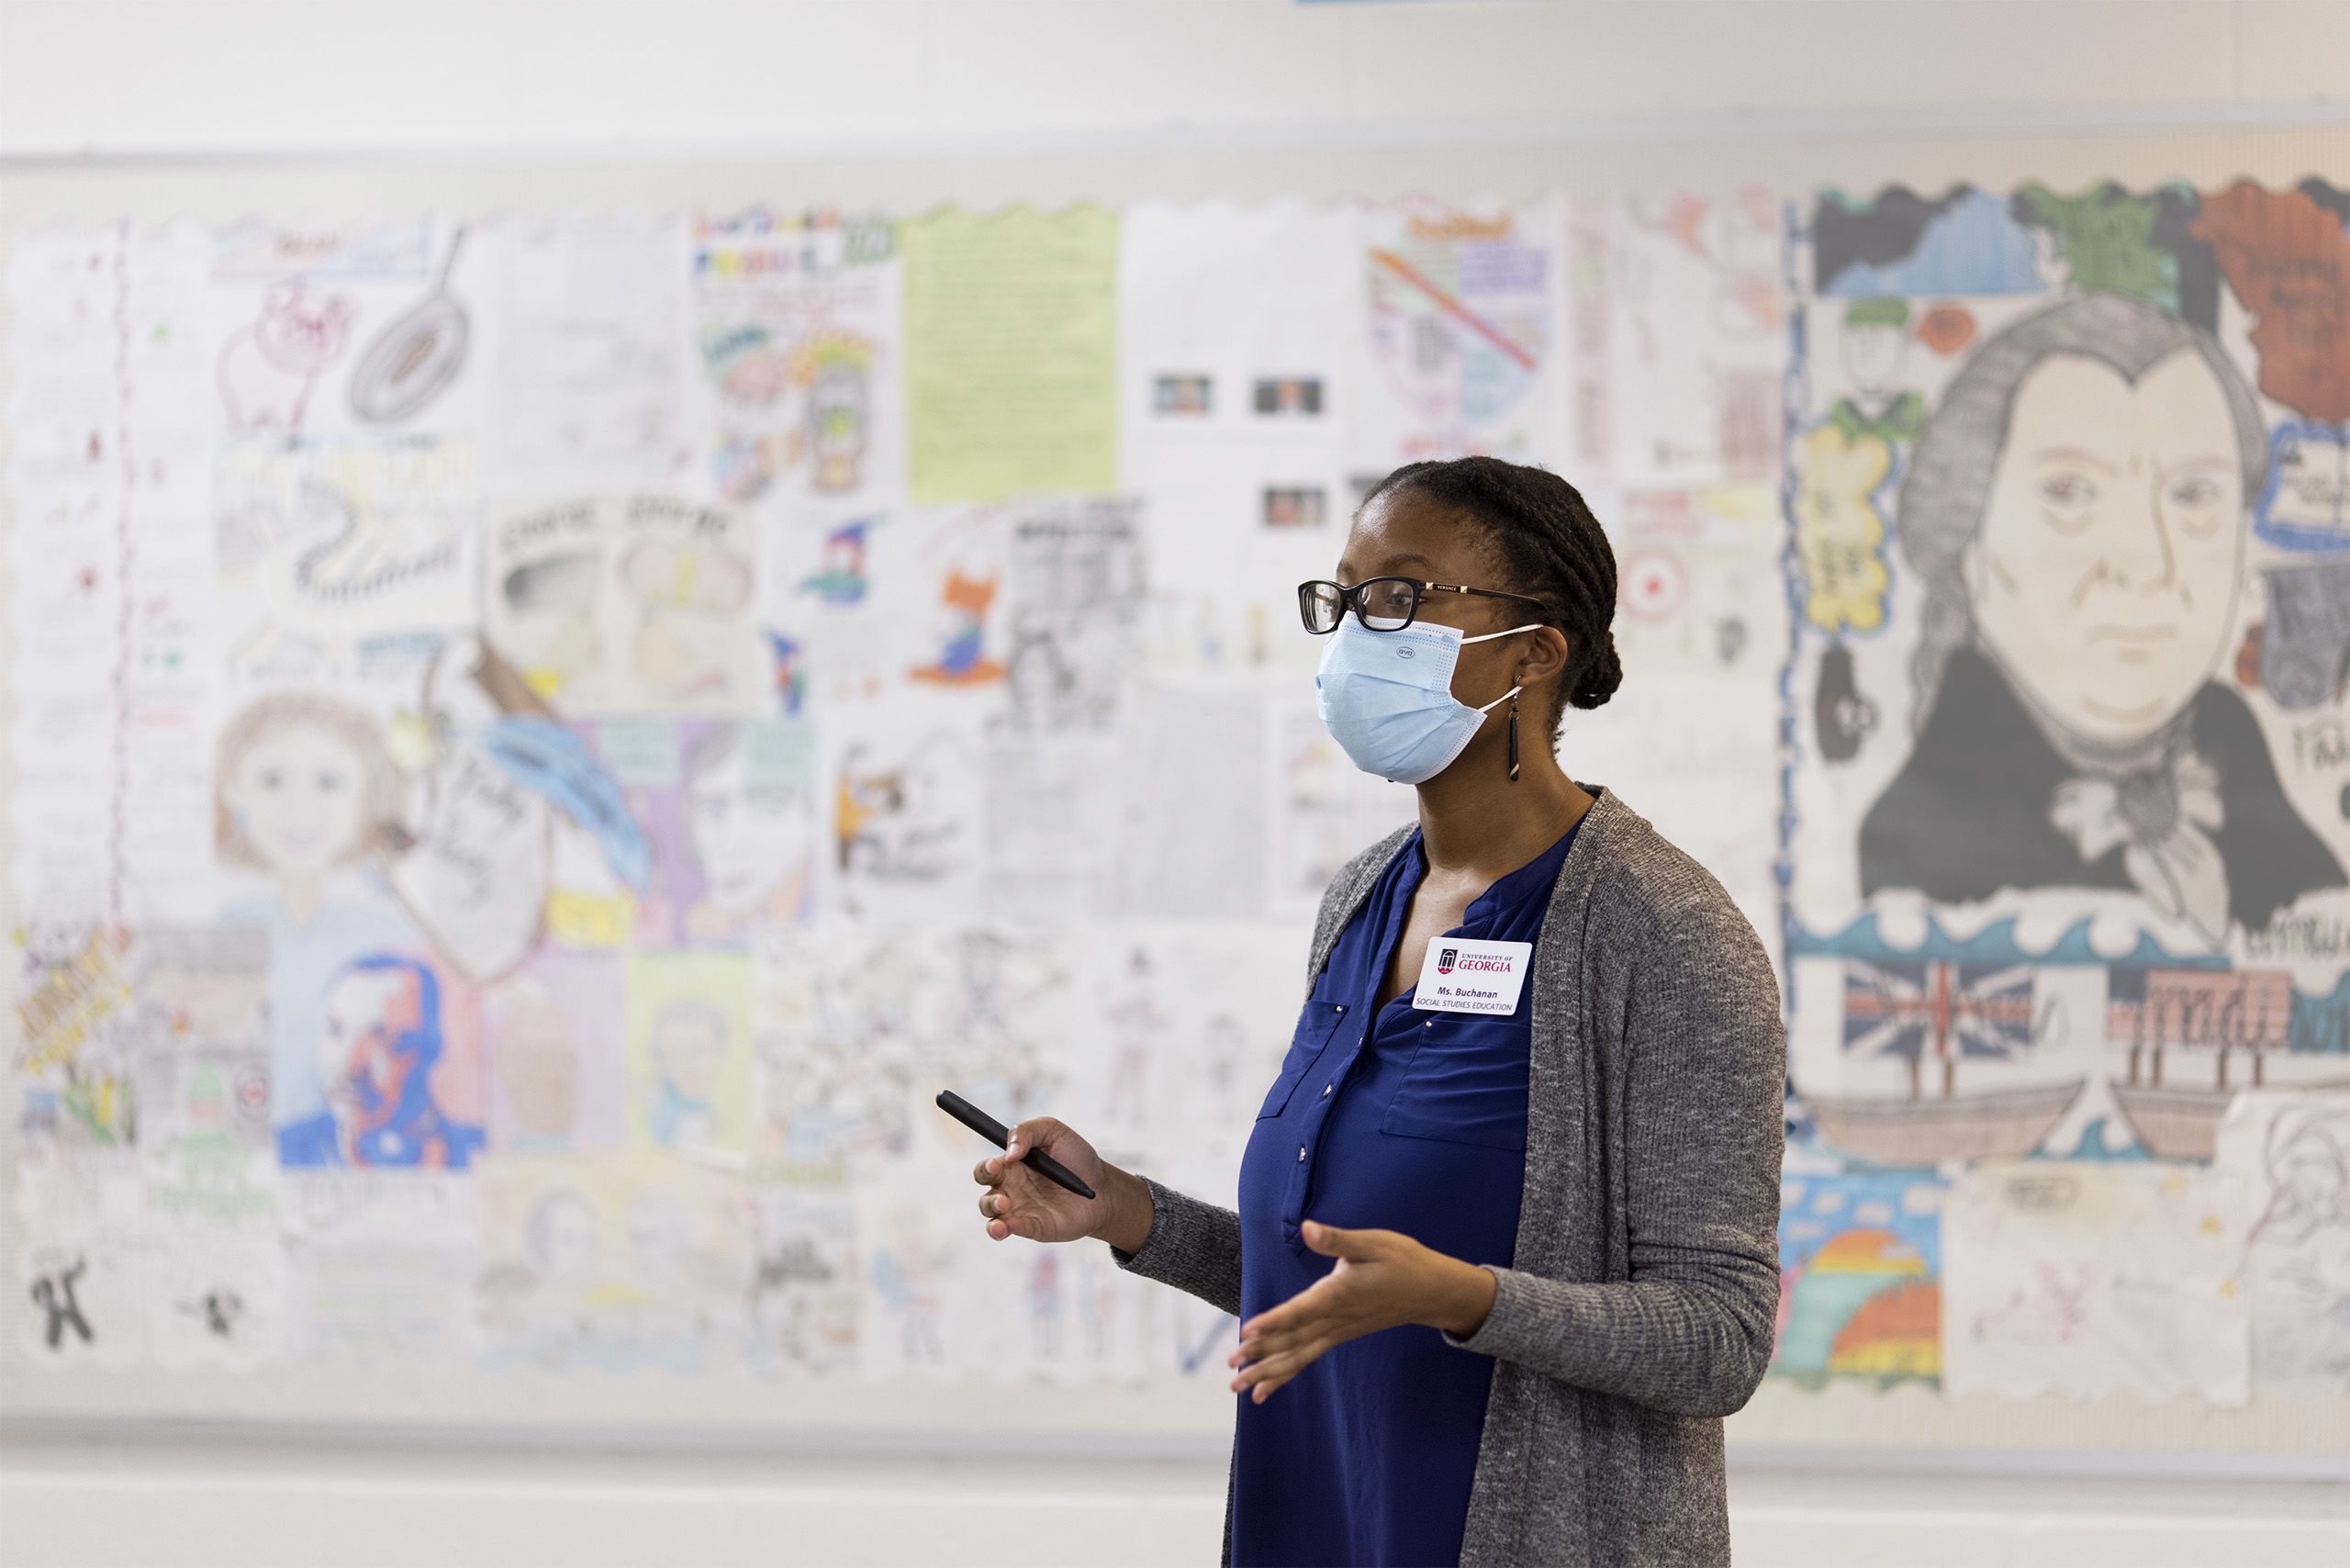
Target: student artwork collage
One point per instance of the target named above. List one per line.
(541, 744)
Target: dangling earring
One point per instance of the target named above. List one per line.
(1513, 740)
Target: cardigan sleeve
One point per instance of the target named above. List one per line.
(1194, 1247)
(1704, 1118)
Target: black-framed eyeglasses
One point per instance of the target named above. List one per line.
(1382, 604)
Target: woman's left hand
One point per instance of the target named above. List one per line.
(1383, 1280)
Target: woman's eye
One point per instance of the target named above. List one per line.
(2197, 491)
(329, 783)
(2067, 490)
(272, 780)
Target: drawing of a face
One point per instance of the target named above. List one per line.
(560, 1235)
(747, 840)
(2312, 1166)
(688, 1047)
(367, 1013)
(690, 600)
(1872, 345)
(836, 426)
(298, 793)
(658, 1229)
(536, 1061)
(2103, 577)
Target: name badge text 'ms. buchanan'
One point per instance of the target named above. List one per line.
(1462, 975)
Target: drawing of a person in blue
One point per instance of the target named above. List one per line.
(381, 1042)
(688, 1047)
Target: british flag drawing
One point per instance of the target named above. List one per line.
(1938, 1009)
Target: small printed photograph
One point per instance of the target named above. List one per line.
(1293, 506)
(1182, 395)
(1289, 395)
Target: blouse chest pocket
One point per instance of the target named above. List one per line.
(1465, 1084)
(1316, 1022)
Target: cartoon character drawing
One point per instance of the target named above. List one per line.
(750, 841)
(690, 602)
(901, 821)
(839, 576)
(268, 368)
(746, 362)
(836, 371)
(687, 1046)
(963, 602)
(1875, 339)
(376, 1055)
(2076, 514)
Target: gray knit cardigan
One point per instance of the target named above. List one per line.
(1639, 1305)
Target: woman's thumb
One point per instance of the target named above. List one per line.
(1037, 1132)
(1331, 1241)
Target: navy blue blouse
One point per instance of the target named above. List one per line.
(1409, 1121)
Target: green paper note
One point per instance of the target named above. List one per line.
(1012, 353)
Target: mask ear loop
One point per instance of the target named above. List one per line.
(1510, 696)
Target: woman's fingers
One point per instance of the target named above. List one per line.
(1266, 1375)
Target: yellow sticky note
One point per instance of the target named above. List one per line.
(1012, 353)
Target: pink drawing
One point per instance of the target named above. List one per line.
(268, 368)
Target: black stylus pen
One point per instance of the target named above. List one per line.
(996, 1133)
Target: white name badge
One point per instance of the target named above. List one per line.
(1464, 976)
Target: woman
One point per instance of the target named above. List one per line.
(2076, 512)
(1500, 1272)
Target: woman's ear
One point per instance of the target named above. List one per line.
(1546, 657)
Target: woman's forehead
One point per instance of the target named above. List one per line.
(1404, 535)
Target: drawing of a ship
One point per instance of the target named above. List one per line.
(1940, 1012)
(2225, 1014)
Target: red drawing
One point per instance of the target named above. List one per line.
(2288, 260)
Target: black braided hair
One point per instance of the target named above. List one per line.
(1548, 546)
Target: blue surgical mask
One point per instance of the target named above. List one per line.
(1386, 697)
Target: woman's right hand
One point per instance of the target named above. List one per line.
(1018, 1202)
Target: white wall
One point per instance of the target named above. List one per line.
(179, 76)
(188, 78)
(210, 1507)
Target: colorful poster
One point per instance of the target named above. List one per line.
(2066, 854)
(1861, 1278)
(797, 324)
(1464, 344)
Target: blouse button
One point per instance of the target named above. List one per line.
(1301, 1154)
(1326, 1088)
(1342, 1007)
(1429, 1024)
